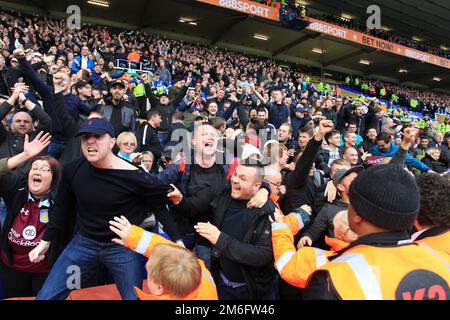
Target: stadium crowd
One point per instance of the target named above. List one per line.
(354, 25)
(411, 99)
(235, 177)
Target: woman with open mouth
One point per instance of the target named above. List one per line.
(28, 199)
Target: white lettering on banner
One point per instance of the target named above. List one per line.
(328, 29)
(245, 7)
(417, 55)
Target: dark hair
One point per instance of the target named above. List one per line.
(384, 137)
(434, 204)
(178, 116)
(376, 109)
(85, 75)
(261, 109)
(152, 113)
(54, 166)
(306, 129)
(328, 135)
(256, 164)
(218, 122)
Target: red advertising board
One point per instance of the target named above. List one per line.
(248, 7)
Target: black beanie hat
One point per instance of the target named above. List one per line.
(387, 196)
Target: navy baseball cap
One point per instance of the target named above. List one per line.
(299, 108)
(97, 126)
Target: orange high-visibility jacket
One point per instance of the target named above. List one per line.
(294, 266)
(143, 242)
(440, 242)
(405, 272)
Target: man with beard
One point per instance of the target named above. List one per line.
(117, 111)
(285, 137)
(266, 130)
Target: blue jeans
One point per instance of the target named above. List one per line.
(55, 148)
(87, 254)
(3, 211)
(204, 253)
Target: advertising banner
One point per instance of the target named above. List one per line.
(248, 7)
(330, 29)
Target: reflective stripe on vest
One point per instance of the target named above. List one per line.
(364, 275)
(299, 219)
(284, 259)
(424, 245)
(208, 276)
(144, 242)
(321, 258)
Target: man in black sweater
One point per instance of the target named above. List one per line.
(147, 134)
(93, 190)
(300, 186)
(166, 109)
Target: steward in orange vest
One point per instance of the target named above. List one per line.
(383, 264)
(144, 242)
(294, 266)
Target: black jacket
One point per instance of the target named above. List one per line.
(148, 140)
(445, 151)
(324, 220)
(438, 166)
(296, 182)
(360, 124)
(368, 145)
(167, 111)
(254, 253)
(8, 77)
(371, 120)
(343, 117)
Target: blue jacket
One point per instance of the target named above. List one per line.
(76, 68)
(410, 160)
(278, 114)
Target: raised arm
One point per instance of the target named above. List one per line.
(303, 165)
(30, 149)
